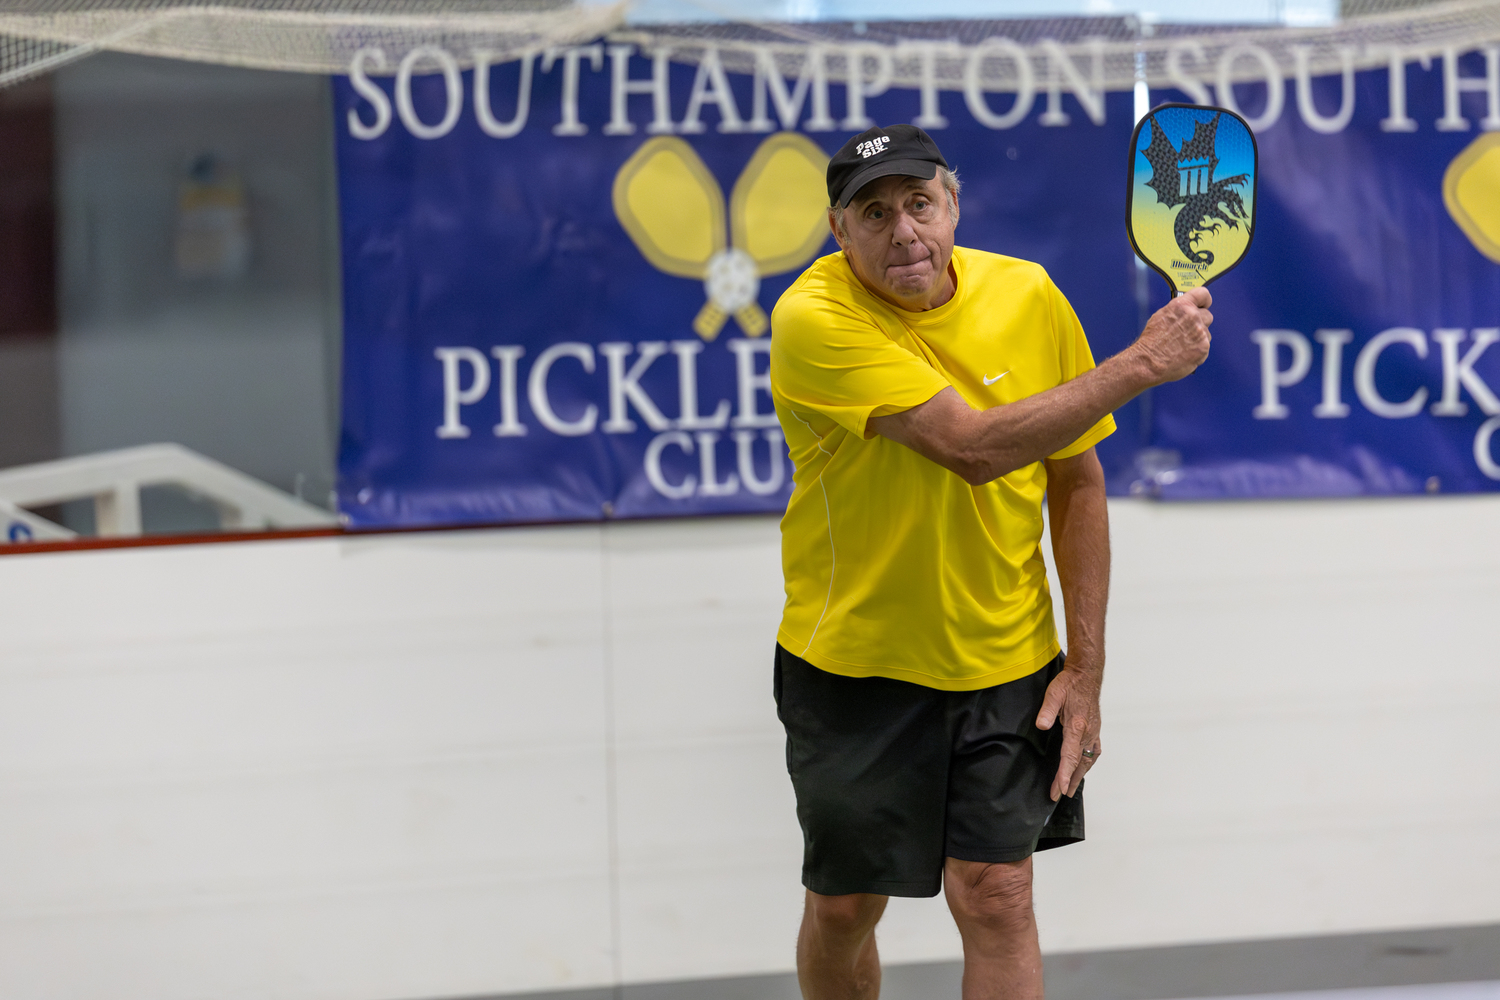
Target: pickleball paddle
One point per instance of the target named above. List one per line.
(1190, 208)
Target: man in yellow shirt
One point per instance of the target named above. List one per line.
(931, 397)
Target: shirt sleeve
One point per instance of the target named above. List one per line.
(828, 357)
(1074, 358)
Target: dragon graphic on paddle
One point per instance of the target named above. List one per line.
(1206, 203)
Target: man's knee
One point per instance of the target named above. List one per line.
(992, 895)
(852, 916)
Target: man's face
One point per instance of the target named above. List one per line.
(899, 239)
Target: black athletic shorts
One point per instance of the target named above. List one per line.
(893, 777)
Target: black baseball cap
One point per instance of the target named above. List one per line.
(903, 150)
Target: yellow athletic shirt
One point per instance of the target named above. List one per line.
(894, 566)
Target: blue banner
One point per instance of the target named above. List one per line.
(1352, 346)
(557, 273)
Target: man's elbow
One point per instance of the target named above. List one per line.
(984, 475)
(956, 445)
(966, 454)
(976, 470)
(971, 473)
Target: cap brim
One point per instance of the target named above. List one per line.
(925, 169)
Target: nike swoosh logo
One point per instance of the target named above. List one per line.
(992, 381)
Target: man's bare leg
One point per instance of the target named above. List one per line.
(836, 957)
(991, 903)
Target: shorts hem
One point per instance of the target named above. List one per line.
(874, 886)
(1061, 838)
(993, 856)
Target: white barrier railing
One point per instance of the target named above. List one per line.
(113, 480)
(21, 525)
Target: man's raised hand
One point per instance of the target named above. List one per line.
(1176, 338)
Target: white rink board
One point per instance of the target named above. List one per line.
(467, 763)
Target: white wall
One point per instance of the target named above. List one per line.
(453, 763)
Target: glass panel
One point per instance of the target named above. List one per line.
(193, 301)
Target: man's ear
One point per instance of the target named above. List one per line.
(834, 229)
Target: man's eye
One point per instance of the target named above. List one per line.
(874, 214)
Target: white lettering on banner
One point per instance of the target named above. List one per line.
(860, 87)
(570, 125)
(750, 383)
(711, 86)
(536, 390)
(1186, 66)
(1458, 375)
(1333, 342)
(652, 466)
(744, 442)
(1454, 85)
(1484, 455)
(1309, 110)
(621, 86)
(454, 395)
(482, 111)
(510, 424)
(1272, 378)
(467, 378)
(625, 387)
(768, 80)
(931, 116)
(360, 81)
(706, 483)
(453, 86)
(1460, 371)
(708, 454)
(1060, 70)
(999, 48)
(1275, 85)
(1364, 373)
(1397, 120)
(688, 418)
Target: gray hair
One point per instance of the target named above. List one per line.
(950, 182)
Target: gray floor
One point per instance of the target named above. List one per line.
(1356, 966)
(1434, 991)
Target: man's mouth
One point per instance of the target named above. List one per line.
(911, 267)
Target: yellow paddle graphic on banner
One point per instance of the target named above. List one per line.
(1471, 192)
(674, 211)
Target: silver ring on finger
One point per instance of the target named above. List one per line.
(1090, 754)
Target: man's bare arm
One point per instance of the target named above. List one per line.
(983, 445)
(1079, 519)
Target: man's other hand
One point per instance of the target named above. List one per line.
(1073, 695)
(1176, 339)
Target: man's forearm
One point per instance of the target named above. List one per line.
(1005, 438)
(1079, 516)
(1080, 548)
(983, 445)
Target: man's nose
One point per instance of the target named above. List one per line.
(903, 232)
